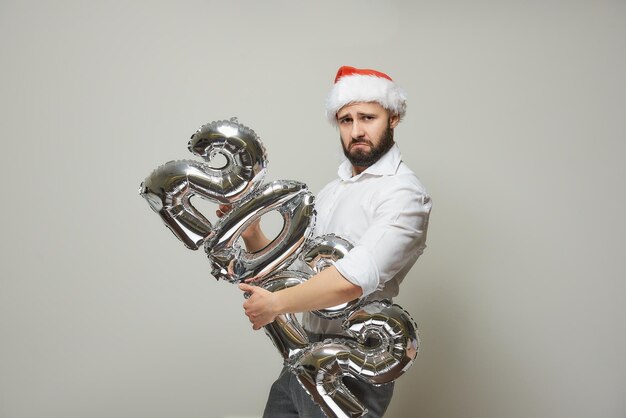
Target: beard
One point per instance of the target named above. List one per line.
(360, 157)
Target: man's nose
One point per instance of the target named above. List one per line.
(357, 130)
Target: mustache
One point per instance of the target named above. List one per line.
(360, 141)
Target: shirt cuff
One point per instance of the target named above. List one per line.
(359, 268)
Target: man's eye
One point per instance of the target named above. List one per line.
(344, 121)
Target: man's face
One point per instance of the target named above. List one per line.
(366, 131)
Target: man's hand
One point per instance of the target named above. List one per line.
(261, 307)
(326, 288)
(223, 210)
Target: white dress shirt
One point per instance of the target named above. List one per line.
(384, 213)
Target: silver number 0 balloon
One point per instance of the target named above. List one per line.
(318, 366)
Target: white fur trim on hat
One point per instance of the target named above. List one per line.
(365, 88)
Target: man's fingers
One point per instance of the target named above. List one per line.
(223, 210)
(247, 288)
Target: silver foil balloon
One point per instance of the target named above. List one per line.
(246, 158)
(384, 344)
(230, 262)
(322, 252)
(381, 339)
(169, 188)
(286, 332)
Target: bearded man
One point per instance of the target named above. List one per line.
(378, 204)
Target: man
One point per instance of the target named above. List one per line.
(378, 204)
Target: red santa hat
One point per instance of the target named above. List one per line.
(363, 85)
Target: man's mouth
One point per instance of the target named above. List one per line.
(360, 143)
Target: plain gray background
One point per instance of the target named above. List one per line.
(515, 124)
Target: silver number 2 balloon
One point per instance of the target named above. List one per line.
(390, 332)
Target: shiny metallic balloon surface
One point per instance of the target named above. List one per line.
(231, 262)
(381, 340)
(322, 252)
(169, 188)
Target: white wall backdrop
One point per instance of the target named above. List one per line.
(516, 124)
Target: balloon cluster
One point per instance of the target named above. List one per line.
(319, 366)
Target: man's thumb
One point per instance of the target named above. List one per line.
(246, 287)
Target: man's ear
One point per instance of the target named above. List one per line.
(394, 120)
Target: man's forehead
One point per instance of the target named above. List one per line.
(361, 107)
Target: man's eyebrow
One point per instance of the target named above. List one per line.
(358, 114)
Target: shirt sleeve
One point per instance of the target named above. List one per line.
(396, 236)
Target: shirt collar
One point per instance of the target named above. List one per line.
(385, 166)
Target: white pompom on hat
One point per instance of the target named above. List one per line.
(362, 85)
